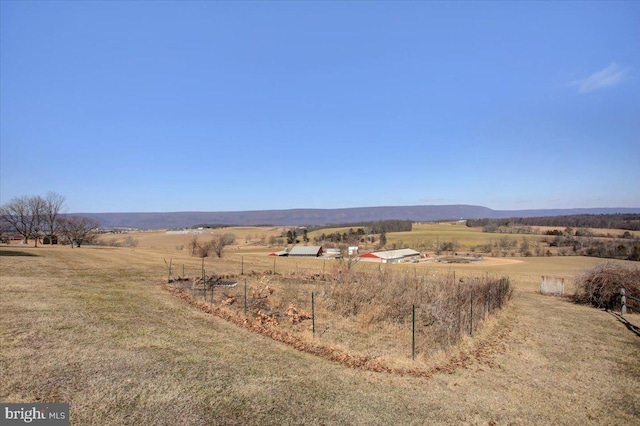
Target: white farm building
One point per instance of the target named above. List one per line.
(308, 251)
(390, 256)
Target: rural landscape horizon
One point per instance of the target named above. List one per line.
(327, 216)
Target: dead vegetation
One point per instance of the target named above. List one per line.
(389, 316)
(600, 286)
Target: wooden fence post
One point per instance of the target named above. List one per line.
(623, 302)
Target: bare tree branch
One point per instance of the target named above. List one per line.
(24, 215)
(78, 229)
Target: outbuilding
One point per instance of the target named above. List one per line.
(390, 256)
(50, 239)
(308, 251)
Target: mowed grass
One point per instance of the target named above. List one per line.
(95, 327)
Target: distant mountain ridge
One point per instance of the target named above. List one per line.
(171, 220)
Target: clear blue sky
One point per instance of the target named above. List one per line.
(223, 106)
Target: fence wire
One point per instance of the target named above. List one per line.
(375, 314)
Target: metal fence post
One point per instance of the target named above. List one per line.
(471, 322)
(313, 316)
(245, 296)
(413, 332)
(204, 282)
(623, 302)
(459, 303)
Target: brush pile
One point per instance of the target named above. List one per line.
(600, 286)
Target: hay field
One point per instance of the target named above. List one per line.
(94, 327)
(465, 236)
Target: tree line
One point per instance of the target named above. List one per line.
(373, 227)
(40, 218)
(624, 221)
(566, 241)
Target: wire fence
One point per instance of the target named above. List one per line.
(373, 314)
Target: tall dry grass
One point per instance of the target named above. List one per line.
(438, 308)
(395, 317)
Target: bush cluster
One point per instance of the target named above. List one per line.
(600, 286)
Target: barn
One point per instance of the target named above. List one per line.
(308, 251)
(390, 256)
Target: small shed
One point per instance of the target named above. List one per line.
(308, 251)
(279, 253)
(50, 239)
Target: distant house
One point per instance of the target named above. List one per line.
(390, 256)
(308, 251)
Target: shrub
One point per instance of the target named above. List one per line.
(600, 286)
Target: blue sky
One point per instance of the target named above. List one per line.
(225, 106)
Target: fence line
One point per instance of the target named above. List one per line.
(309, 309)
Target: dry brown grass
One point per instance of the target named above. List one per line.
(94, 328)
(365, 318)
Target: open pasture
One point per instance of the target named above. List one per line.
(466, 236)
(96, 327)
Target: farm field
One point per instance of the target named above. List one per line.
(97, 328)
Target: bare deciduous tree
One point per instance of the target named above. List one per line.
(218, 243)
(193, 245)
(215, 245)
(36, 205)
(78, 229)
(383, 240)
(52, 206)
(24, 215)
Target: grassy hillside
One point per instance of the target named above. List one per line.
(94, 327)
